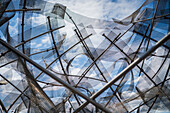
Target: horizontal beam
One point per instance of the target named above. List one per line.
(14, 10)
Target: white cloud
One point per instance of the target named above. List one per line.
(46, 40)
(38, 45)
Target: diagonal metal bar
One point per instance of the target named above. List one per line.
(126, 70)
(29, 106)
(3, 65)
(14, 10)
(70, 75)
(55, 46)
(74, 90)
(3, 107)
(47, 50)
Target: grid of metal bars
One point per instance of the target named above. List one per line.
(137, 86)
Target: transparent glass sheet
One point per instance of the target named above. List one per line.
(86, 53)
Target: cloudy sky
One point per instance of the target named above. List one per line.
(104, 9)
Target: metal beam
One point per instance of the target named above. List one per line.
(3, 107)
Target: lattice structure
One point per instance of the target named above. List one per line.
(97, 66)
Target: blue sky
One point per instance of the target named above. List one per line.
(98, 9)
